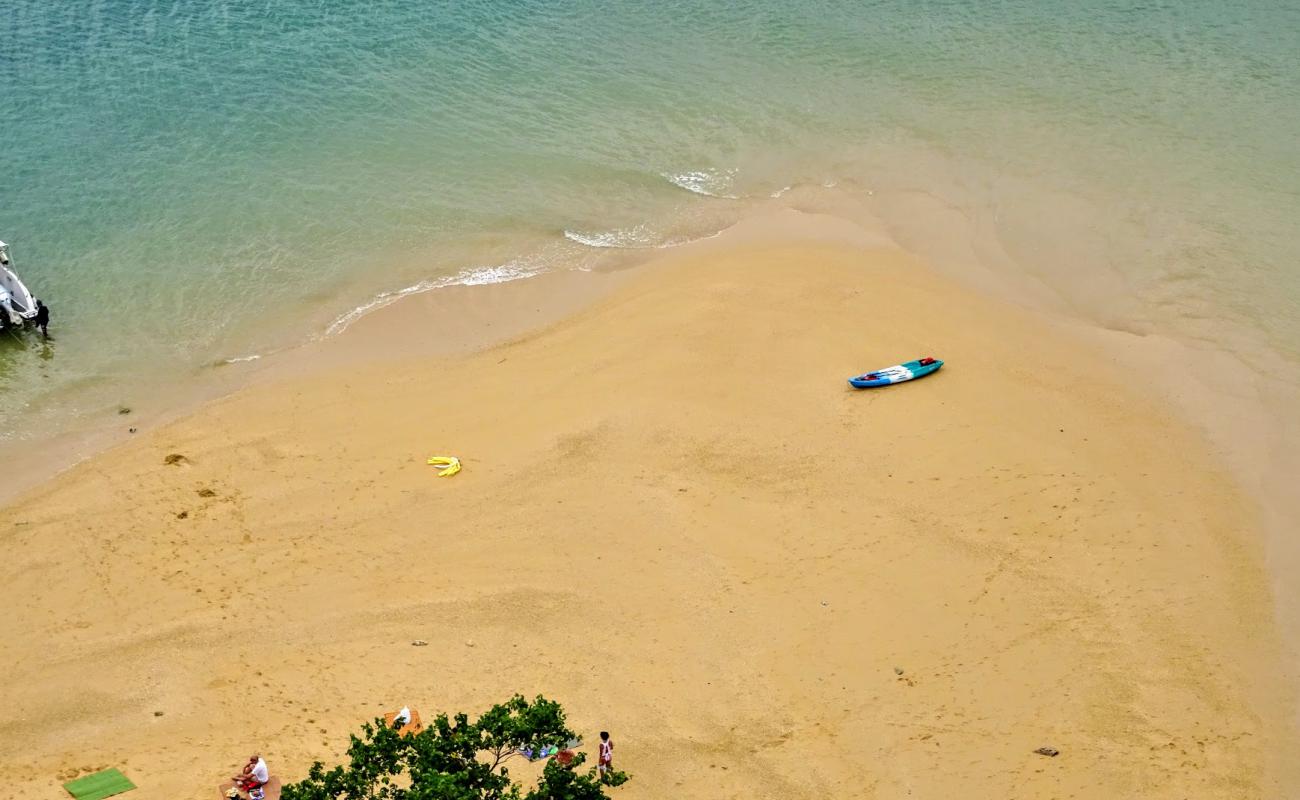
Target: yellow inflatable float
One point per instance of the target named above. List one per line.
(449, 465)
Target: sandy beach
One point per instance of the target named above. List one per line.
(678, 520)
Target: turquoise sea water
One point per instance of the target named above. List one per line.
(186, 183)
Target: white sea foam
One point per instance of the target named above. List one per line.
(640, 236)
(681, 240)
(241, 359)
(475, 276)
(781, 191)
(708, 182)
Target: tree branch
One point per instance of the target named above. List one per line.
(501, 755)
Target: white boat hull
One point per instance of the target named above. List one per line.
(16, 302)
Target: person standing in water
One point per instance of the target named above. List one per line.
(42, 318)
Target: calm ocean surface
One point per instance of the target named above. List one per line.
(186, 183)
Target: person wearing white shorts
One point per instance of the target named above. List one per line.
(605, 764)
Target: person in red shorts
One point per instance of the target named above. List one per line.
(254, 775)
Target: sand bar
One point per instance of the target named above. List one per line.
(677, 519)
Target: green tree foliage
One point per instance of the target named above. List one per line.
(456, 759)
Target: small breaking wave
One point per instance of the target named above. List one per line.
(638, 237)
(220, 363)
(684, 240)
(477, 276)
(708, 182)
(622, 240)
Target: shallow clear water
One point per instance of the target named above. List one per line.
(186, 183)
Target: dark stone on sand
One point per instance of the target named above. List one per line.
(123, 410)
(175, 459)
(1051, 752)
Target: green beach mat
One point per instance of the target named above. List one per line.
(98, 786)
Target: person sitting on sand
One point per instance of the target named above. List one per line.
(255, 774)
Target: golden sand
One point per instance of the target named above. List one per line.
(677, 519)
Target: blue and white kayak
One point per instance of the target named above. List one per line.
(897, 373)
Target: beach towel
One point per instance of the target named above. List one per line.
(546, 751)
(271, 791)
(410, 727)
(99, 785)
